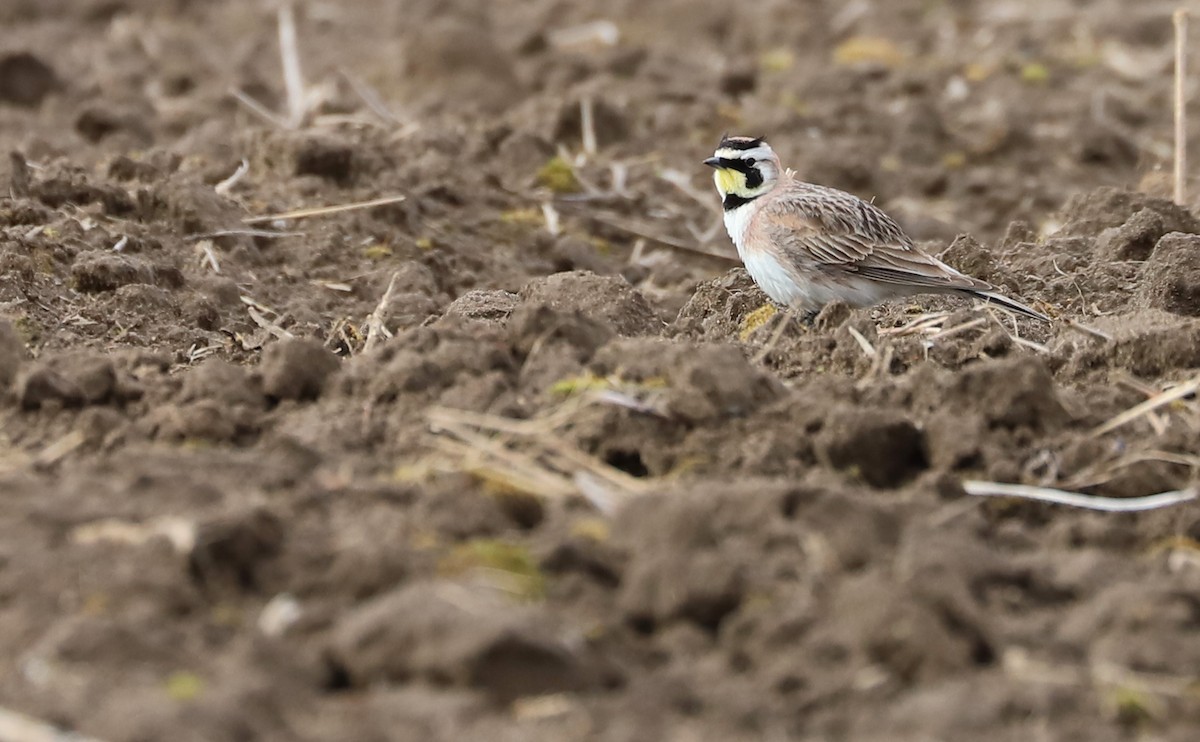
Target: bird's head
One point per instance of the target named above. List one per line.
(746, 168)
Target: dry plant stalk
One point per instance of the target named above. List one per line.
(1075, 499)
(1159, 400)
(925, 323)
(268, 234)
(958, 329)
(293, 79)
(1181, 26)
(1029, 344)
(1106, 471)
(370, 97)
(324, 210)
(60, 449)
(529, 455)
(1089, 331)
(662, 240)
(588, 127)
(258, 109)
(289, 54)
(16, 727)
(1018, 664)
(505, 467)
(785, 319)
(546, 424)
(226, 185)
(376, 326)
(258, 313)
(867, 349)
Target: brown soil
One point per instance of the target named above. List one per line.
(548, 490)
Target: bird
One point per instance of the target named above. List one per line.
(807, 245)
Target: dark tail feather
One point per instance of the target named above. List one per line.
(1007, 303)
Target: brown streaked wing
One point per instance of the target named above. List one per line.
(915, 268)
(830, 229)
(808, 241)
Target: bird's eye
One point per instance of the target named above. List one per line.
(750, 161)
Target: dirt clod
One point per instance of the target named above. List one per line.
(1158, 350)
(483, 306)
(40, 386)
(716, 381)
(1171, 279)
(1089, 214)
(96, 377)
(223, 382)
(692, 569)
(99, 122)
(1135, 239)
(297, 369)
(25, 79)
(1011, 393)
(972, 258)
(442, 633)
(884, 449)
(704, 382)
(231, 553)
(108, 272)
(609, 300)
(12, 354)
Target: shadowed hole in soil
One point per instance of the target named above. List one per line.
(793, 500)
(1018, 592)
(688, 704)
(830, 653)
(25, 80)
(526, 511)
(336, 678)
(981, 651)
(327, 160)
(790, 685)
(740, 662)
(642, 624)
(514, 668)
(229, 554)
(629, 462)
(709, 613)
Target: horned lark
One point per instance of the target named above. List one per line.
(807, 245)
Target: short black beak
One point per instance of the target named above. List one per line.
(713, 162)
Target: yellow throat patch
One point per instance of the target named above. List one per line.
(730, 181)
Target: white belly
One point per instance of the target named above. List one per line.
(775, 281)
(800, 289)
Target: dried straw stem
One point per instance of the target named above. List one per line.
(1181, 27)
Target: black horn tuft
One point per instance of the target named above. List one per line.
(740, 143)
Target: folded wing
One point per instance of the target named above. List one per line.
(831, 230)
